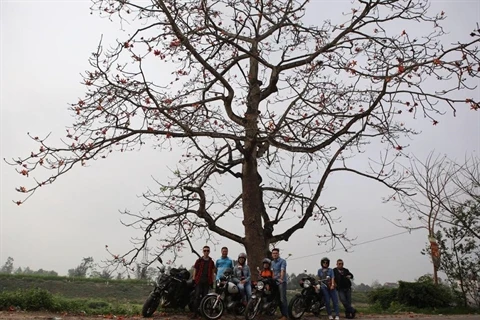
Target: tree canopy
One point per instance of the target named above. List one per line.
(259, 100)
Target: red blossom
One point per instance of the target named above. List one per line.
(435, 122)
(398, 148)
(175, 43)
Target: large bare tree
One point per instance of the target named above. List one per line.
(259, 101)
(445, 191)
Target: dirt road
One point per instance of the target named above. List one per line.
(4, 315)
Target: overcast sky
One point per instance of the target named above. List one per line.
(45, 45)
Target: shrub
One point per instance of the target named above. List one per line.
(32, 299)
(424, 295)
(383, 297)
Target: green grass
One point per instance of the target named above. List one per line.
(42, 300)
(396, 308)
(125, 297)
(131, 291)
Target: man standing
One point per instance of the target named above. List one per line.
(223, 263)
(203, 275)
(344, 287)
(279, 267)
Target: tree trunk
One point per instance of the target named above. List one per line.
(460, 276)
(255, 242)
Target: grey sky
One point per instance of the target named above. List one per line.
(45, 45)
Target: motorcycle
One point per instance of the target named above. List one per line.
(309, 300)
(173, 289)
(265, 298)
(226, 298)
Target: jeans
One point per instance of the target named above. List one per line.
(345, 296)
(201, 290)
(245, 289)
(331, 295)
(282, 288)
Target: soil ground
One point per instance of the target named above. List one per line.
(4, 315)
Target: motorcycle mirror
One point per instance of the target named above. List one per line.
(305, 270)
(258, 269)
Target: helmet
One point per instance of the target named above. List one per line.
(266, 260)
(325, 259)
(242, 255)
(228, 271)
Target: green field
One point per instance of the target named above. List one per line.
(133, 291)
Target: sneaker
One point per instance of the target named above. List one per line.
(337, 318)
(330, 318)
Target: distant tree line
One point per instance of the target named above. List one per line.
(8, 268)
(87, 269)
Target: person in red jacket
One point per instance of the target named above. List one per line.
(203, 275)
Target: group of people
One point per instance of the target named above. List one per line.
(337, 284)
(206, 271)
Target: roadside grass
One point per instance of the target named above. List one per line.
(127, 290)
(43, 300)
(126, 297)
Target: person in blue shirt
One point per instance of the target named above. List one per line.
(223, 263)
(279, 268)
(327, 276)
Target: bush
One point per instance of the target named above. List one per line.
(424, 295)
(32, 299)
(383, 297)
(40, 299)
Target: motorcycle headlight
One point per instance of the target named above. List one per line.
(306, 283)
(260, 285)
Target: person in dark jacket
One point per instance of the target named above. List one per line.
(203, 275)
(343, 278)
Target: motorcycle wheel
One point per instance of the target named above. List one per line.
(271, 311)
(252, 309)
(150, 306)
(211, 309)
(297, 307)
